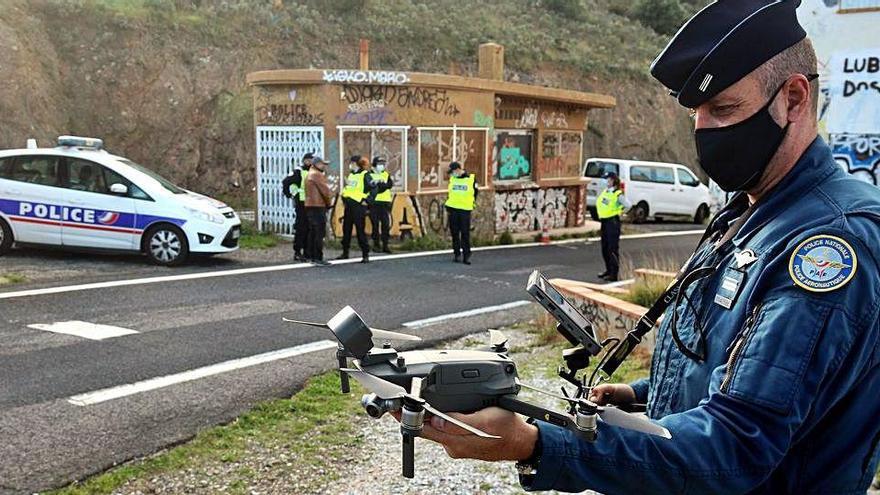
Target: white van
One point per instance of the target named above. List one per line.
(78, 195)
(657, 190)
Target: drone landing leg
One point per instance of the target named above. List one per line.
(343, 376)
(409, 454)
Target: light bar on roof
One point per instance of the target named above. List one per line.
(81, 142)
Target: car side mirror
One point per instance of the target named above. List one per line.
(120, 189)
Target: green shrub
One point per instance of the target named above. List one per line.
(663, 16)
(505, 238)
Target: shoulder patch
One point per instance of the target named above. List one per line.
(822, 263)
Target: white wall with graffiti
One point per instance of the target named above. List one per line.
(847, 41)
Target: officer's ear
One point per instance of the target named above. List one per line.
(799, 96)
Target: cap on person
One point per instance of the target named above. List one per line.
(723, 43)
(354, 158)
(308, 156)
(377, 160)
(454, 166)
(609, 175)
(317, 159)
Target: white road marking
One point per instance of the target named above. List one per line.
(84, 329)
(471, 312)
(111, 393)
(296, 266)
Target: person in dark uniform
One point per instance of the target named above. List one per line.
(380, 205)
(319, 198)
(610, 206)
(358, 188)
(294, 187)
(766, 371)
(459, 204)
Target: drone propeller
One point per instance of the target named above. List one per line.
(377, 332)
(387, 390)
(611, 415)
(497, 339)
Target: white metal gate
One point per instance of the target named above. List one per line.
(279, 149)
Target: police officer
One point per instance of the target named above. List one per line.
(766, 370)
(460, 203)
(294, 187)
(610, 205)
(380, 206)
(358, 187)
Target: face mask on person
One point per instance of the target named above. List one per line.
(380, 168)
(352, 167)
(736, 156)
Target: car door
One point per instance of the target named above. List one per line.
(30, 197)
(689, 194)
(97, 217)
(663, 178)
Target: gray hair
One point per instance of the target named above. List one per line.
(799, 58)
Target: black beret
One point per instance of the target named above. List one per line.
(355, 158)
(308, 156)
(454, 166)
(723, 43)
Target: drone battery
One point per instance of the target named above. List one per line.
(351, 331)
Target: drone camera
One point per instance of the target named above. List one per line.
(377, 407)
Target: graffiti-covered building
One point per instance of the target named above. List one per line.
(845, 35)
(524, 143)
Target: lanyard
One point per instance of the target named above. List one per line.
(686, 276)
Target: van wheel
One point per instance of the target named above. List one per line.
(702, 214)
(166, 245)
(5, 237)
(639, 213)
(593, 213)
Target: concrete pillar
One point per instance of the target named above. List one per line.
(491, 57)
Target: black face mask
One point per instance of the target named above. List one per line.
(736, 156)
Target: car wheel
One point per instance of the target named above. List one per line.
(639, 213)
(166, 245)
(5, 237)
(702, 214)
(593, 213)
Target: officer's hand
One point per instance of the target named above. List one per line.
(517, 440)
(613, 393)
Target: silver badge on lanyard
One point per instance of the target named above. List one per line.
(733, 279)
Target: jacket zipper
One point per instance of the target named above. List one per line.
(737, 347)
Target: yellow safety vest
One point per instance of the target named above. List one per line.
(608, 204)
(302, 185)
(354, 186)
(461, 193)
(385, 196)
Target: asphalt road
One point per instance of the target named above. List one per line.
(47, 441)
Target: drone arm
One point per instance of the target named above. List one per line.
(511, 403)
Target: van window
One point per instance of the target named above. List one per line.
(597, 168)
(42, 170)
(646, 173)
(111, 177)
(687, 179)
(86, 176)
(165, 183)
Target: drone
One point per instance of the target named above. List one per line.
(436, 382)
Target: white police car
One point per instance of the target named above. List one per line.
(78, 195)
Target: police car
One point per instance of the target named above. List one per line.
(78, 195)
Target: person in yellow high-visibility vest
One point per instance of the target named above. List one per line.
(358, 187)
(610, 205)
(380, 207)
(459, 205)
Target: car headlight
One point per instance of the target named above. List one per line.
(204, 215)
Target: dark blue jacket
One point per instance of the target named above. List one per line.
(788, 398)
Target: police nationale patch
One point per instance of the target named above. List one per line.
(822, 263)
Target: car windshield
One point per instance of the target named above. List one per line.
(598, 169)
(153, 175)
